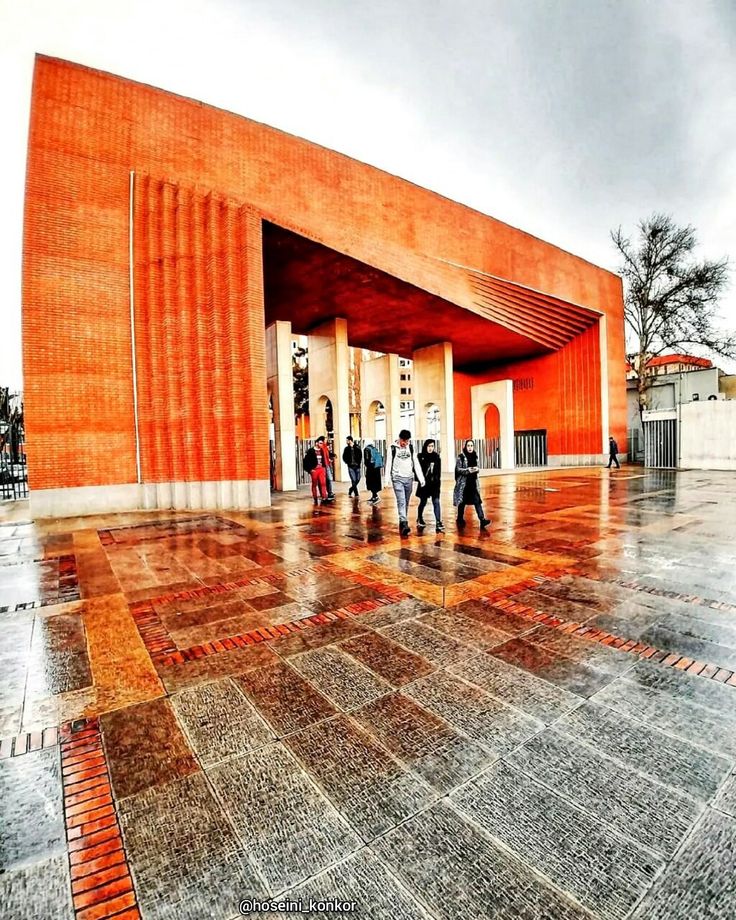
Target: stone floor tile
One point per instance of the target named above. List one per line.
(424, 742)
(394, 613)
(284, 698)
(461, 874)
(59, 656)
(700, 881)
(574, 676)
(708, 693)
(516, 687)
(391, 661)
(726, 799)
(471, 710)
(669, 760)
(339, 677)
(186, 859)
(212, 667)
(370, 788)
(219, 721)
(319, 636)
(31, 814)
(656, 816)
(484, 613)
(363, 880)
(145, 747)
(603, 872)
(677, 716)
(598, 656)
(289, 828)
(450, 621)
(39, 890)
(435, 646)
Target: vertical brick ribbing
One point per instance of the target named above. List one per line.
(199, 306)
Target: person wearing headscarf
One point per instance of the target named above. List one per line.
(431, 464)
(466, 485)
(373, 465)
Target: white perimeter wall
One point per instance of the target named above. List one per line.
(708, 435)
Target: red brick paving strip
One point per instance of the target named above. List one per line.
(102, 885)
(502, 599)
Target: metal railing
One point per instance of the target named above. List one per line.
(530, 447)
(13, 468)
(660, 443)
(488, 450)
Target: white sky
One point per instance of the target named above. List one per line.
(562, 117)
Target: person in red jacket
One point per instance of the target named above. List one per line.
(322, 447)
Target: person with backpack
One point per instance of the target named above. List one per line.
(403, 470)
(352, 457)
(431, 464)
(373, 465)
(314, 464)
(327, 458)
(466, 486)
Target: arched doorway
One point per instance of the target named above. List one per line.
(377, 421)
(489, 450)
(432, 415)
(323, 423)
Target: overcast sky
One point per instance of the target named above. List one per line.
(562, 117)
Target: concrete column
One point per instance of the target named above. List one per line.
(329, 378)
(500, 393)
(280, 380)
(432, 383)
(380, 382)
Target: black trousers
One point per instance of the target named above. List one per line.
(478, 505)
(613, 459)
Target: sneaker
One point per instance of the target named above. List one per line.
(404, 530)
(440, 527)
(484, 523)
(330, 498)
(460, 523)
(421, 525)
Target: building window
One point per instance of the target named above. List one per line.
(403, 391)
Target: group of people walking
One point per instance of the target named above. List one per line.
(405, 468)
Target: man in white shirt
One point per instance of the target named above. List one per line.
(403, 468)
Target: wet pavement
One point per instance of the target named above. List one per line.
(537, 721)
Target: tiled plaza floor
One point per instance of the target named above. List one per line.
(534, 722)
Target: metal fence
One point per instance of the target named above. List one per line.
(530, 447)
(634, 446)
(488, 450)
(660, 443)
(13, 469)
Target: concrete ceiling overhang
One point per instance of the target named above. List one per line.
(488, 320)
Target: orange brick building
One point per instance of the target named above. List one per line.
(162, 238)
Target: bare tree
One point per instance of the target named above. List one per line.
(670, 298)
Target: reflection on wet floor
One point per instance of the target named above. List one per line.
(534, 721)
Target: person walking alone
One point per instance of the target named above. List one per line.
(431, 464)
(466, 485)
(373, 466)
(612, 451)
(402, 470)
(352, 457)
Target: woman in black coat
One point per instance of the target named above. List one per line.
(431, 464)
(466, 485)
(373, 465)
